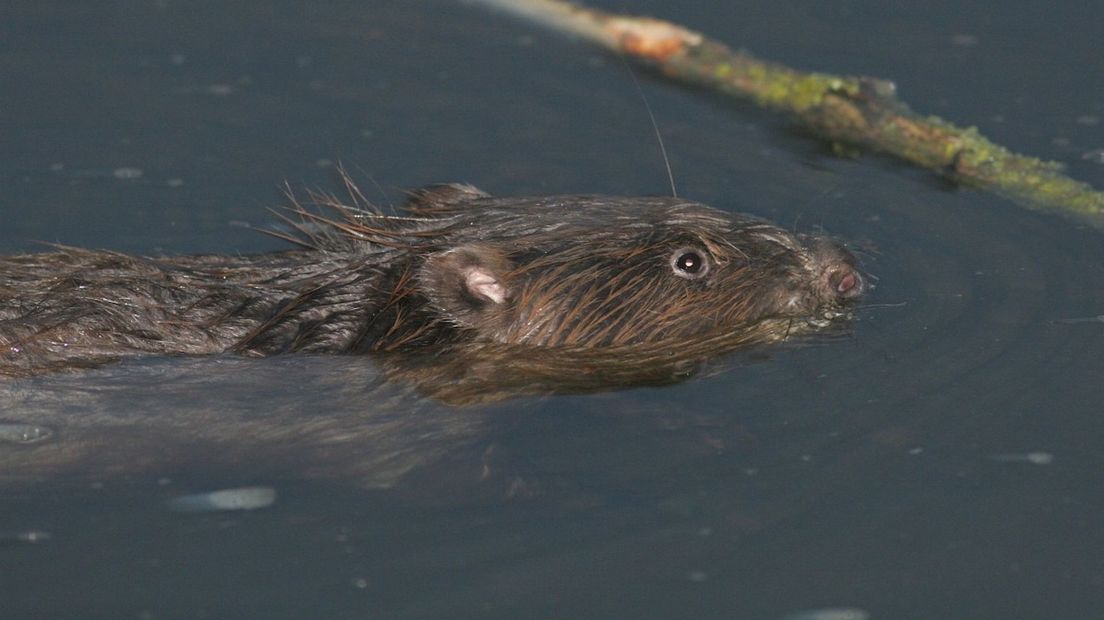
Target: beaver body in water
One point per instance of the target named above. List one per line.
(459, 266)
(454, 297)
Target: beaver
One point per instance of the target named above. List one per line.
(463, 298)
(456, 266)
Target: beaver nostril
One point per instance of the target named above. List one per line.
(846, 283)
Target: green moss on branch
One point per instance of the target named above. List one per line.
(853, 111)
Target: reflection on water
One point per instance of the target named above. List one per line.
(335, 417)
(891, 471)
(364, 420)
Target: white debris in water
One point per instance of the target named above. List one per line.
(242, 498)
(964, 40)
(1096, 156)
(127, 173)
(829, 613)
(29, 537)
(1082, 319)
(1034, 458)
(24, 433)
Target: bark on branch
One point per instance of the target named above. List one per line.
(847, 111)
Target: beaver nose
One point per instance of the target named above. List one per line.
(838, 279)
(846, 282)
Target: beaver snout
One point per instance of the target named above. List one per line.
(845, 282)
(839, 277)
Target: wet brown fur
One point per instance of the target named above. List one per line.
(573, 271)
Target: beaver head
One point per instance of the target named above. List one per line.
(589, 271)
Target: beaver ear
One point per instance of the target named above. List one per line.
(466, 282)
(444, 198)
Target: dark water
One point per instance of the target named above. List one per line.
(943, 462)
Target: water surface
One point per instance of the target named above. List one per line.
(941, 462)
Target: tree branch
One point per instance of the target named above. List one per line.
(847, 111)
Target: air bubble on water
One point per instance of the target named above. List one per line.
(964, 40)
(1095, 156)
(242, 498)
(127, 173)
(24, 433)
(26, 537)
(829, 613)
(1033, 458)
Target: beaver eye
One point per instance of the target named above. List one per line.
(689, 263)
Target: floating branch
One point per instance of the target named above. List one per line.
(847, 111)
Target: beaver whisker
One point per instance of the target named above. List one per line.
(900, 304)
(871, 253)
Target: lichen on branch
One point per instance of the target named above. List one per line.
(852, 111)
